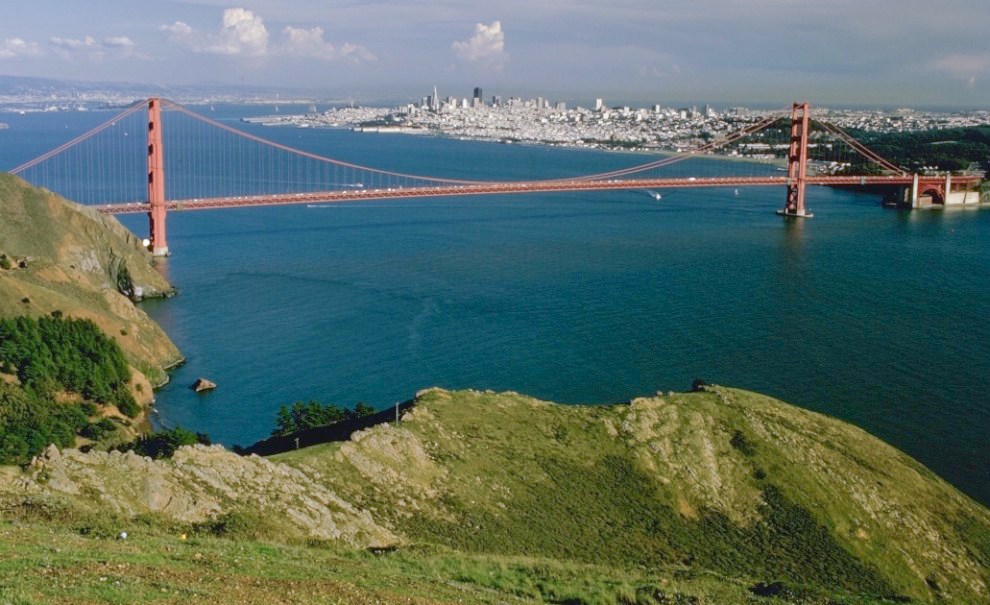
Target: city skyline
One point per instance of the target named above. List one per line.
(723, 50)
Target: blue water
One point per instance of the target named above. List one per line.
(878, 317)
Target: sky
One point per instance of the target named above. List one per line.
(840, 52)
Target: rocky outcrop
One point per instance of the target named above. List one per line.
(199, 484)
(203, 384)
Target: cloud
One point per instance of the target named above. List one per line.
(357, 53)
(92, 49)
(179, 31)
(486, 46)
(119, 42)
(307, 43)
(74, 44)
(16, 47)
(964, 66)
(243, 33)
(300, 42)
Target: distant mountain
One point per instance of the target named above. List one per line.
(41, 90)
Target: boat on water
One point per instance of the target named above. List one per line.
(4, 125)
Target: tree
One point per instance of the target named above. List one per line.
(363, 409)
(301, 415)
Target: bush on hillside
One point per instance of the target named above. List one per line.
(162, 444)
(51, 355)
(29, 424)
(65, 354)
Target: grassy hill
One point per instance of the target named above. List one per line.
(721, 496)
(83, 264)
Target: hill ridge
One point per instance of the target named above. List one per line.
(723, 482)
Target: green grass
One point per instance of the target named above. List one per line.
(55, 563)
(728, 483)
(717, 497)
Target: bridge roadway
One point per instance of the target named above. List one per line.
(491, 188)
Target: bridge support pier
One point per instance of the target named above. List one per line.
(797, 162)
(156, 180)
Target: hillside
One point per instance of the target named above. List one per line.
(722, 496)
(83, 264)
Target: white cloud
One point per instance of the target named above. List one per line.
(299, 42)
(357, 53)
(243, 33)
(119, 42)
(75, 44)
(178, 31)
(92, 49)
(307, 43)
(17, 47)
(486, 46)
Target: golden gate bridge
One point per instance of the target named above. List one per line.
(220, 166)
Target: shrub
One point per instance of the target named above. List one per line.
(128, 407)
(98, 430)
(162, 444)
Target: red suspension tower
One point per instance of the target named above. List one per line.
(156, 179)
(797, 162)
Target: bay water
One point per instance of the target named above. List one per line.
(874, 316)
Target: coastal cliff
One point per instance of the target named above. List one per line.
(65, 257)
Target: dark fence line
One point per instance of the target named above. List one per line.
(338, 431)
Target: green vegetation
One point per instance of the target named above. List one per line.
(53, 353)
(717, 481)
(950, 149)
(53, 555)
(162, 444)
(302, 415)
(53, 358)
(28, 424)
(714, 496)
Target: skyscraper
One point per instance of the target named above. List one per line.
(477, 94)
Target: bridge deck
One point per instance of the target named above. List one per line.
(352, 195)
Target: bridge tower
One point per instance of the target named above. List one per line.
(156, 179)
(797, 162)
